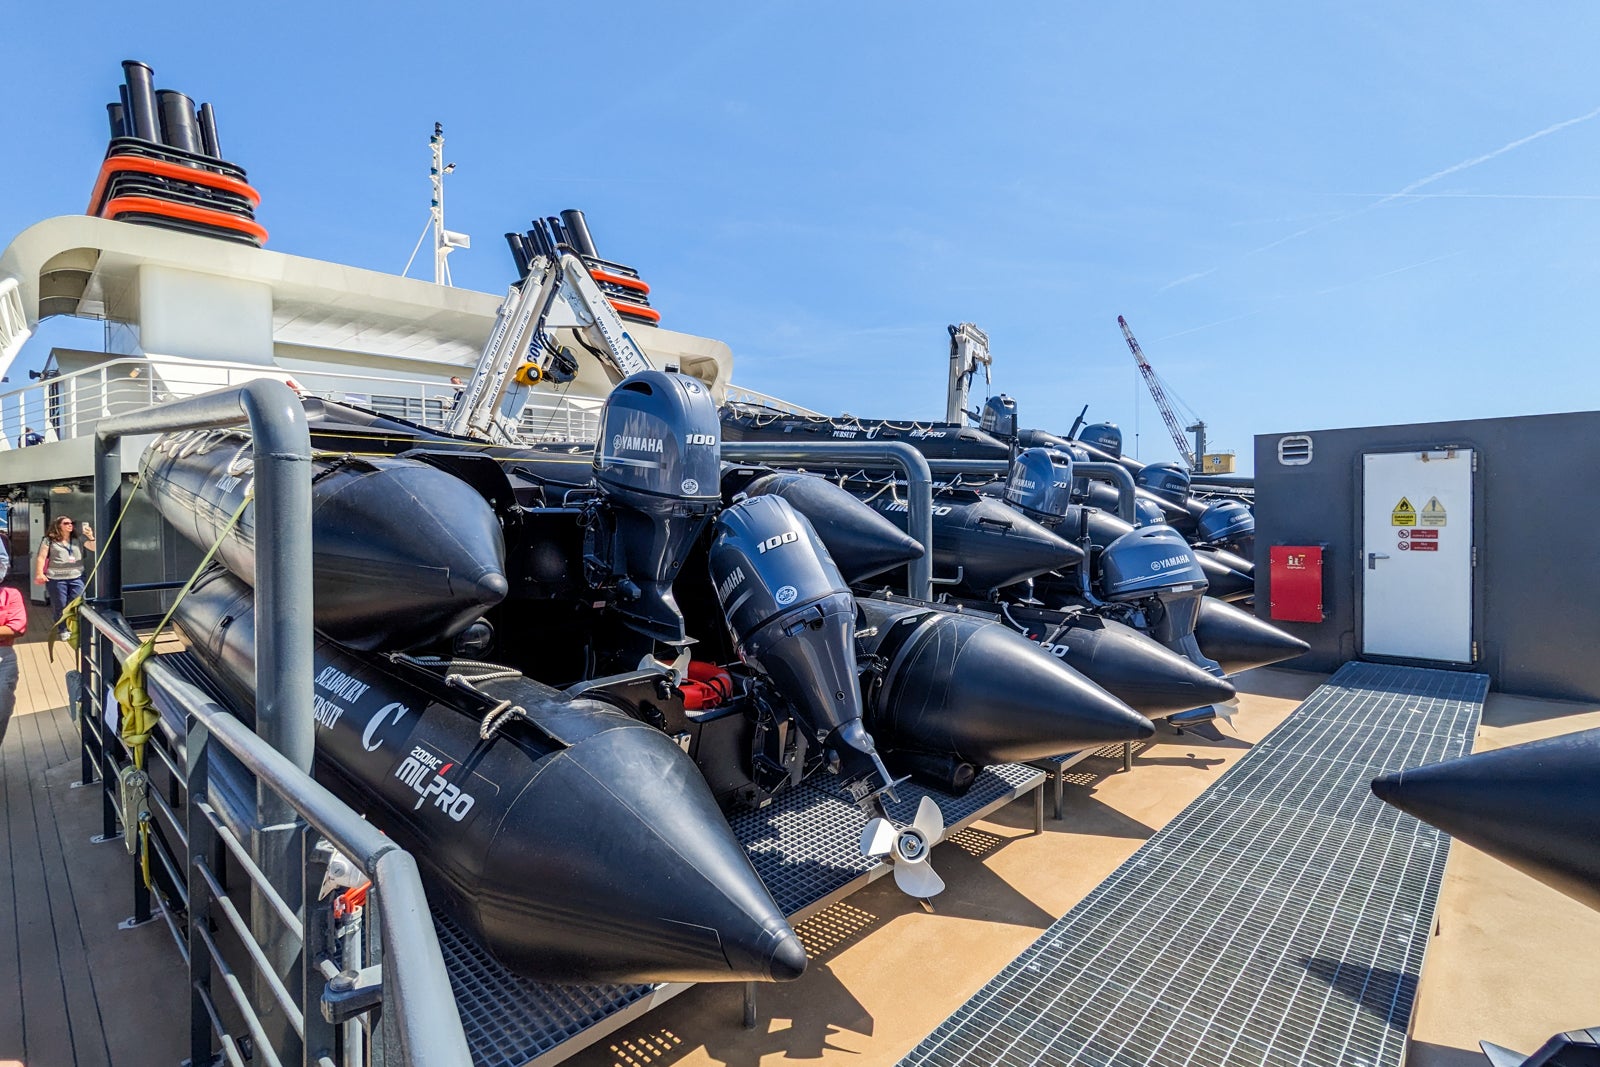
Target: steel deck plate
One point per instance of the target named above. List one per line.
(805, 847)
(1281, 918)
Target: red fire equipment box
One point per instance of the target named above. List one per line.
(1296, 586)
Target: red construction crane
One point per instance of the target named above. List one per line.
(1159, 394)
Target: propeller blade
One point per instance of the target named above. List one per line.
(918, 879)
(878, 837)
(929, 821)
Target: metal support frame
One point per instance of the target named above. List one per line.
(911, 463)
(286, 938)
(918, 471)
(283, 539)
(1115, 473)
(282, 449)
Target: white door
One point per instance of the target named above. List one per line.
(1416, 557)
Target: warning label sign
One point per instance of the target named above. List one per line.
(1404, 514)
(1424, 546)
(1433, 513)
(1421, 535)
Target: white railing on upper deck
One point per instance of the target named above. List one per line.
(71, 405)
(738, 394)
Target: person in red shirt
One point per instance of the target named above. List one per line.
(13, 624)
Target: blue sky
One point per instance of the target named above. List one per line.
(1312, 215)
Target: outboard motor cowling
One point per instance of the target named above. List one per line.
(1149, 512)
(1147, 561)
(1155, 565)
(1230, 524)
(1040, 485)
(999, 417)
(1105, 436)
(658, 463)
(793, 620)
(1169, 481)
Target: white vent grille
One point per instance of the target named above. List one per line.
(1294, 450)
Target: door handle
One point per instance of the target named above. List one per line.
(1373, 558)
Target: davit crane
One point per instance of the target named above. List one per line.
(555, 289)
(1158, 393)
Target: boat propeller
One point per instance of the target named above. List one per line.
(909, 849)
(1222, 709)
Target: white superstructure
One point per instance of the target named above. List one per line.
(186, 314)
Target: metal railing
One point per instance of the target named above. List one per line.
(68, 406)
(1114, 473)
(304, 970)
(738, 394)
(913, 466)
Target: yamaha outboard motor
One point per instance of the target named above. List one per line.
(793, 619)
(1231, 525)
(1153, 570)
(1040, 485)
(1105, 436)
(999, 417)
(1149, 512)
(1082, 484)
(658, 463)
(1169, 481)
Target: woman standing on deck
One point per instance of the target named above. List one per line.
(59, 567)
(13, 624)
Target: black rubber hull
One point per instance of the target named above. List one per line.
(1239, 641)
(1534, 806)
(583, 848)
(967, 687)
(403, 553)
(1225, 579)
(983, 542)
(1136, 669)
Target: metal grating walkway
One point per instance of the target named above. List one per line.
(1279, 919)
(805, 847)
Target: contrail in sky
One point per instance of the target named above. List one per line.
(1208, 325)
(1502, 150)
(1186, 279)
(1319, 292)
(1384, 274)
(1405, 193)
(1482, 196)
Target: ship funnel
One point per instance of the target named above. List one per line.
(141, 100)
(178, 128)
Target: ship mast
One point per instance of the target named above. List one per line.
(444, 241)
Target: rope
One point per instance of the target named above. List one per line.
(139, 716)
(69, 614)
(498, 716)
(492, 672)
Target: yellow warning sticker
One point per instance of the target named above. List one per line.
(1433, 513)
(1403, 514)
